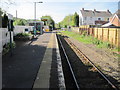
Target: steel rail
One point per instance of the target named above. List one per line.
(99, 71)
(69, 64)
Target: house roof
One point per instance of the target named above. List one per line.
(108, 25)
(87, 13)
(117, 13)
(90, 13)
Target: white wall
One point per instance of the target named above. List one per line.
(0, 41)
(88, 21)
(21, 29)
(4, 37)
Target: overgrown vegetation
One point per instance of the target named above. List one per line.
(6, 47)
(23, 34)
(23, 37)
(90, 40)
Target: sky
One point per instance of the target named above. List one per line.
(57, 9)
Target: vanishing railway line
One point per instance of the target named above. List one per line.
(79, 71)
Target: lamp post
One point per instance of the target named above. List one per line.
(35, 16)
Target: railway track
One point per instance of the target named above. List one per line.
(94, 80)
(74, 80)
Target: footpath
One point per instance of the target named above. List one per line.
(33, 64)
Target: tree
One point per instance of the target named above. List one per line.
(70, 20)
(76, 19)
(50, 22)
(4, 21)
(20, 21)
(1, 12)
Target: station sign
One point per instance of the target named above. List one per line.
(44, 19)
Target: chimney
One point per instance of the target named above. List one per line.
(82, 8)
(94, 9)
(108, 11)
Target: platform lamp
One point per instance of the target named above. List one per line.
(35, 16)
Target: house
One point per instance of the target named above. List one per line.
(115, 18)
(89, 17)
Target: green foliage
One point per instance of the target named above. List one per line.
(4, 21)
(50, 22)
(89, 40)
(1, 12)
(23, 34)
(70, 20)
(76, 19)
(19, 21)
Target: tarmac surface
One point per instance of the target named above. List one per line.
(21, 70)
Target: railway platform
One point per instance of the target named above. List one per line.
(34, 64)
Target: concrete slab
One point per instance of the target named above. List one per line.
(43, 76)
(20, 70)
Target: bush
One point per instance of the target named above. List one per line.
(84, 33)
(23, 37)
(23, 34)
(4, 21)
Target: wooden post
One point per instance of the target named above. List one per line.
(116, 36)
(102, 34)
(93, 30)
(97, 32)
(108, 35)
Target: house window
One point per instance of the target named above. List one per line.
(99, 18)
(85, 18)
(90, 18)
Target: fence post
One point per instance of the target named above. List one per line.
(116, 36)
(97, 32)
(108, 35)
(102, 34)
(93, 32)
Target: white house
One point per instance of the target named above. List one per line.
(89, 17)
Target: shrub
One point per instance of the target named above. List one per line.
(23, 34)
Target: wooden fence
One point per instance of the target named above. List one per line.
(111, 35)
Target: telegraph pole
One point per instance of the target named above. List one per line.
(16, 14)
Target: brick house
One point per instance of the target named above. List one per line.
(115, 18)
(89, 17)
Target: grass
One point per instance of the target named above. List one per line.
(81, 38)
(90, 40)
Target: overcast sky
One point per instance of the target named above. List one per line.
(57, 9)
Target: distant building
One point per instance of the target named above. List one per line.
(39, 24)
(115, 18)
(89, 17)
